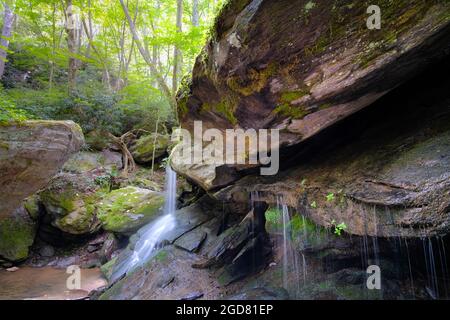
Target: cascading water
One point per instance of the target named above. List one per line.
(290, 256)
(152, 235)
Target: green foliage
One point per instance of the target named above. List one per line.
(339, 228)
(330, 197)
(114, 88)
(273, 219)
(104, 182)
(9, 111)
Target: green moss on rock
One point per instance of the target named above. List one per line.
(226, 108)
(126, 210)
(291, 111)
(31, 204)
(108, 268)
(72, 206)
(142, 149)
(255, 81)
(17, 234)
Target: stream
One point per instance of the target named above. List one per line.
(47, 284)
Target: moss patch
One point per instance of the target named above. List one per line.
(292, 112)
(16, 237)
(226, 107)
(287, 109)
(126, 210)
(107, 268)
(32, 206)
(73, 210)
(143, 149)
(255, 81)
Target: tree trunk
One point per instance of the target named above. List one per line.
(52, 62)
(72, 44)
(195, 14)
(177, 52)
(8, 21)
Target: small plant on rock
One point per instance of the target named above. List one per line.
(338, 228)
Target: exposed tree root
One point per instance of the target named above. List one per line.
(129, 165)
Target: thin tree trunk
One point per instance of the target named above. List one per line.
(97, 52)
(177, 52)
(72, 44)
(195, 14)
(8, 21)
(52, 62)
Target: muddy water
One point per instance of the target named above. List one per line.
(46, 284)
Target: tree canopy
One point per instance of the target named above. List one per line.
(114, 65)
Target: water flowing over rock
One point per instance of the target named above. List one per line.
(31, 153)
(302, 66)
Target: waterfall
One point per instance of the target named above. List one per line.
(286, 233)
(171, 191)
(290, 258)
(152, 235)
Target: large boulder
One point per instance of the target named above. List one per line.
(125, 210)
(83, 162)
(17, 233)
(148, 147)
(301, 66)
(31, 153)
(71, 199)
(71, 202)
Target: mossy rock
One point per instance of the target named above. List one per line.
(17, 234)
(142, 149)
(32, 205)
(83, 162)
(126, 210)
(71, 201)
(107, 268)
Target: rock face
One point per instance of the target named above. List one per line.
(31, 153)
(384, 177)
(301, 66)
